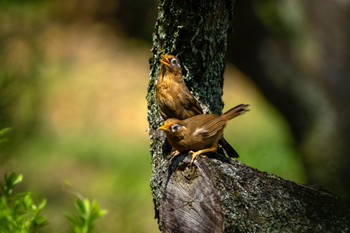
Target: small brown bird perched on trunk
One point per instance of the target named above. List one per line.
(174, 100)
(173, 97)
(201, 133)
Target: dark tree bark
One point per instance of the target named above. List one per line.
(197, 33)
(217, 194)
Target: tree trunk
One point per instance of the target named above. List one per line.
(217, 194)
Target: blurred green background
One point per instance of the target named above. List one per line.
(73, 81)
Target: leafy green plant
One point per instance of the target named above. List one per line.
(18, 212)
(86, 213)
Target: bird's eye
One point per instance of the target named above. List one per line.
(175, 128)
(174, 62)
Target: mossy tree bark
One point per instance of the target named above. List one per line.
(217, 194)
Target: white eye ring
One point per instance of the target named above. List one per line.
(174, 62)
(175, 128)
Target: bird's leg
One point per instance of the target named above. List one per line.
(200, 152)
(174, 153)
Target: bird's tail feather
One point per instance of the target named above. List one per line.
(229, 150)
(236, 111)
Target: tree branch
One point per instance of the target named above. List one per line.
(222, 195)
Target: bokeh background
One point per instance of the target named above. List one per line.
(73, 81)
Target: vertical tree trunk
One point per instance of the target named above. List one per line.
(217, 194)
(196, 31)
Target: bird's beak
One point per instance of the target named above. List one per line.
(164, 128)
(164, 61)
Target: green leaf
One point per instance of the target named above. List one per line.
(3, 134)
(10, 182)
(18, 212)
(87, 212)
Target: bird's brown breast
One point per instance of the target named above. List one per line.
(174, 99)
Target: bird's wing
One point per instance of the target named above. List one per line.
(212, 125)
(191, 103)
(186, 99)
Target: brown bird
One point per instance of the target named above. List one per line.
(173, 97)
(175, 100)
(201, 133)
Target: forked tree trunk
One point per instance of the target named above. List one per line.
(217, 194)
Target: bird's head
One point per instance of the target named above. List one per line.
(170, 61)
(172, 126)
